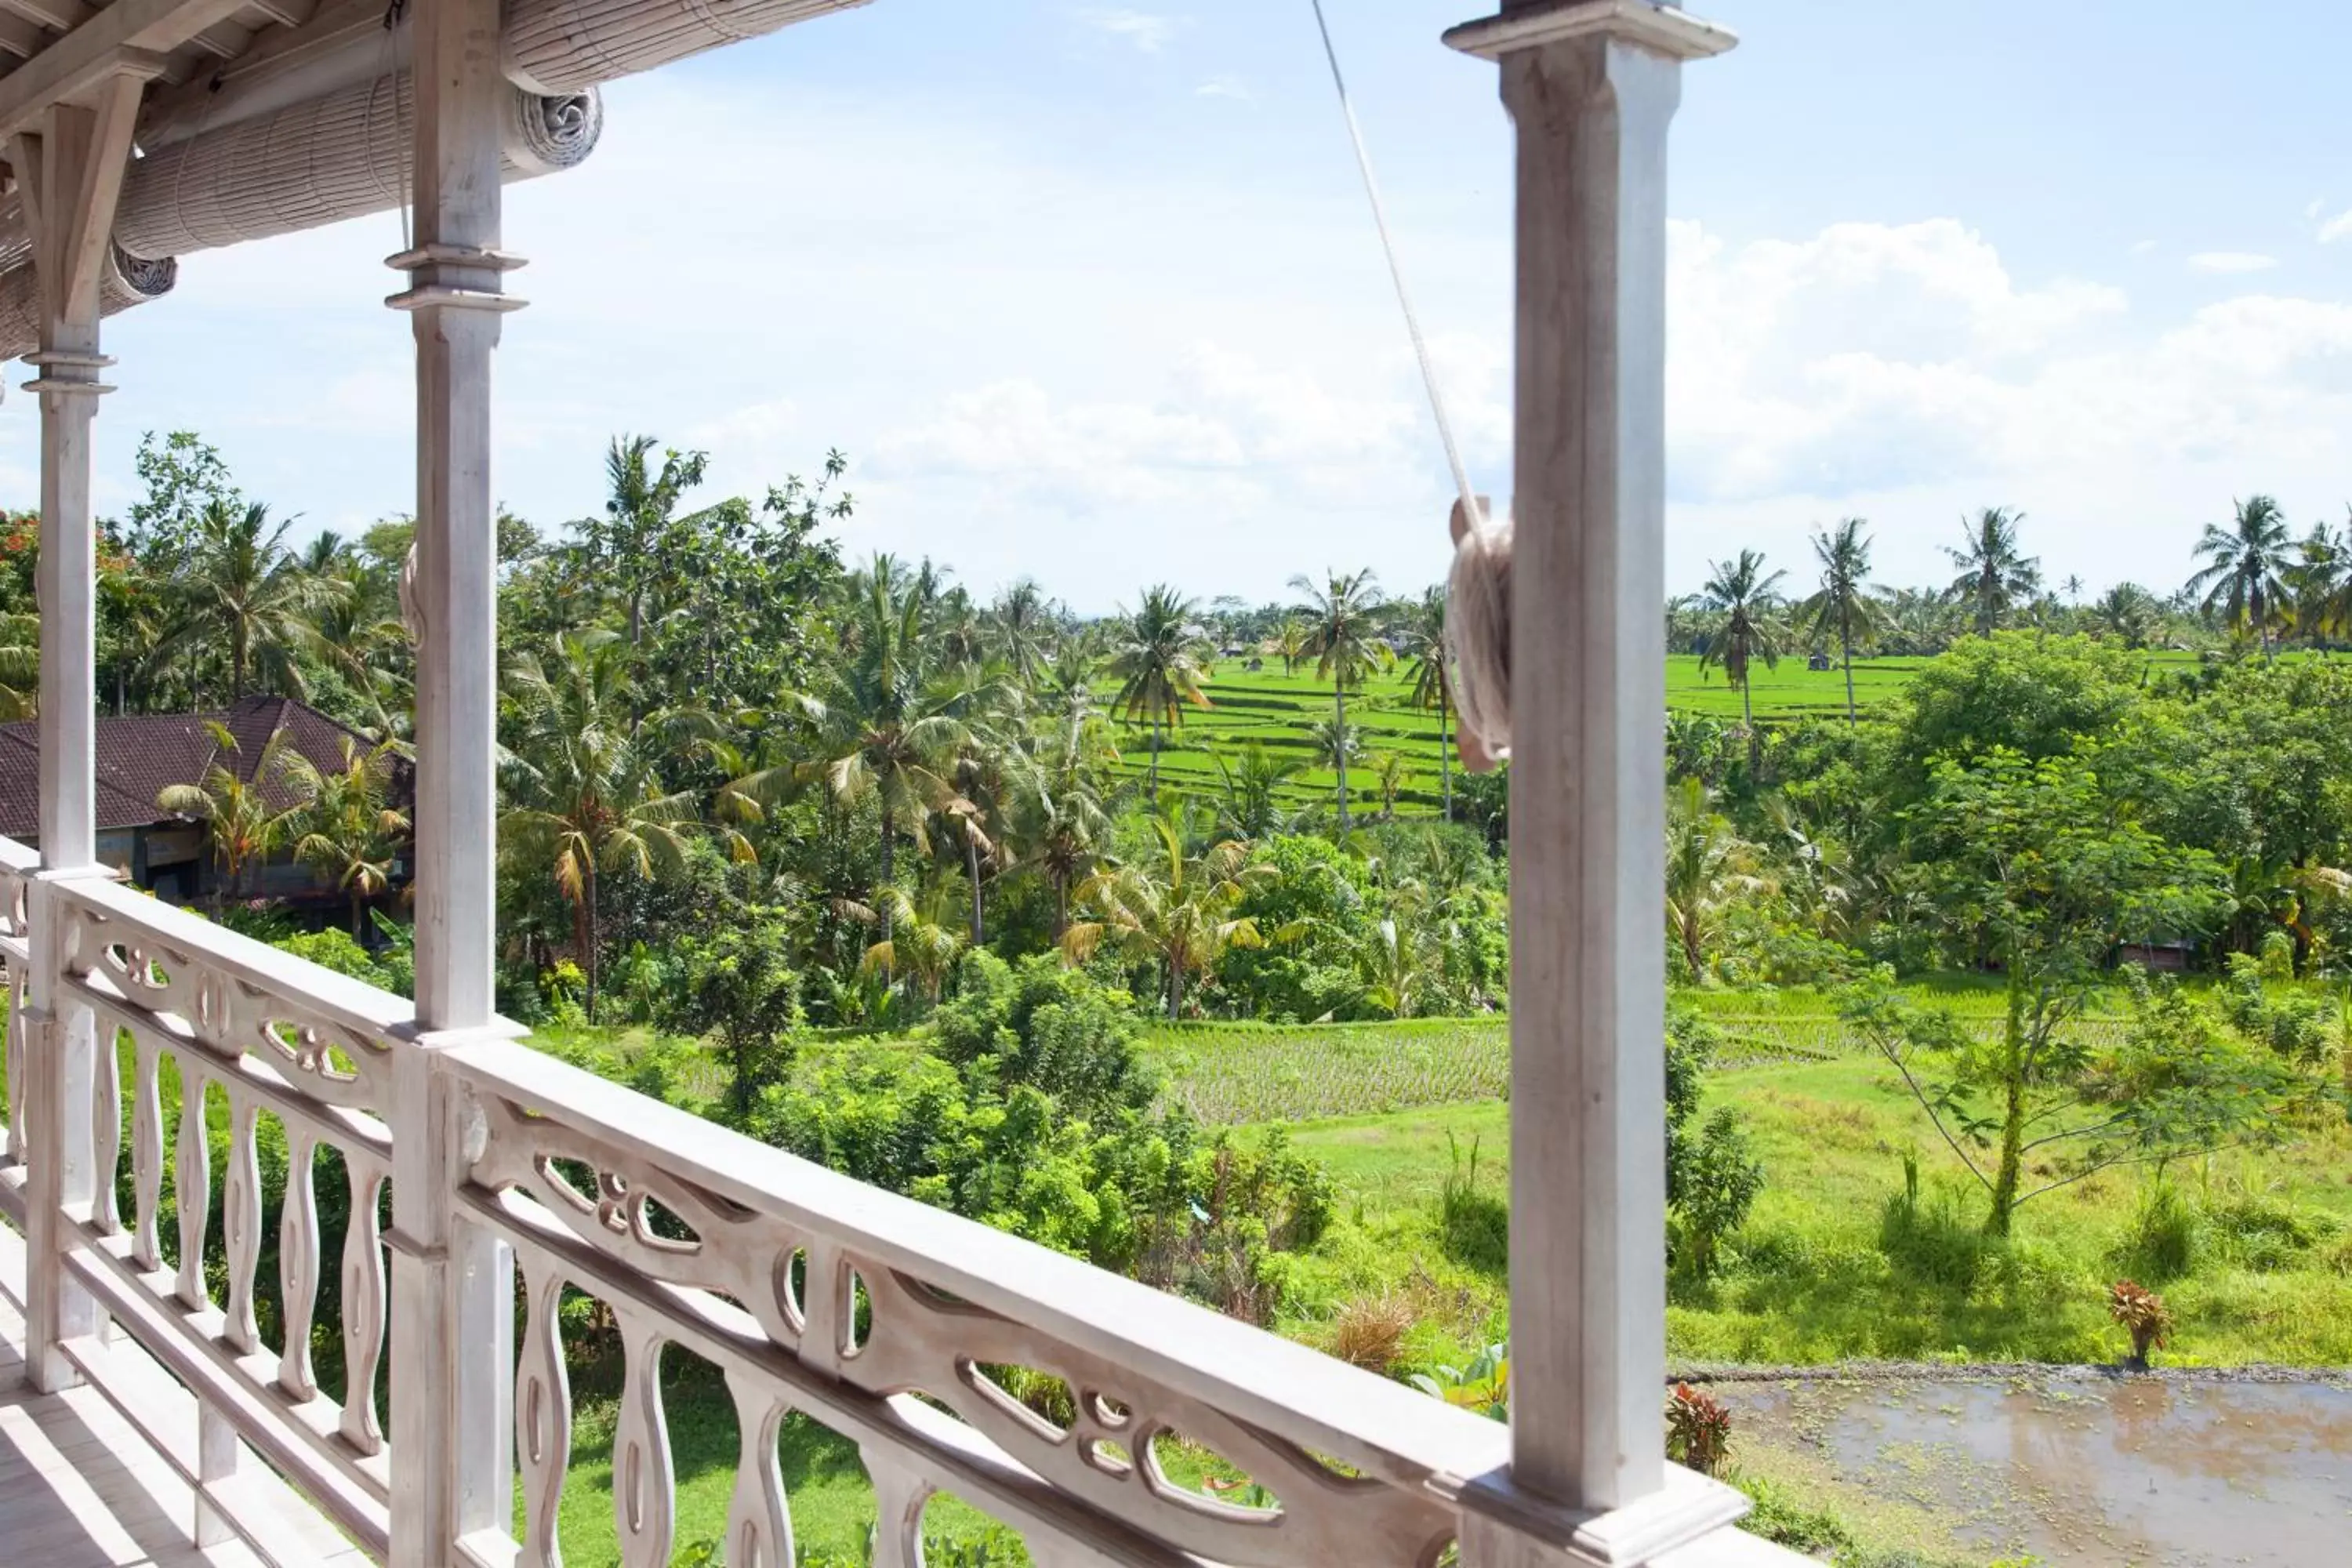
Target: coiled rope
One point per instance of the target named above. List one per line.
(1478, 590)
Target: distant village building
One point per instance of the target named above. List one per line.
(2159, 957)
(141, 755)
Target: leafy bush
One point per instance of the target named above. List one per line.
(1698, 1429)
(1718, 1189)
(1933, 1241)
(1482, 1385)
(2143, 1315)
(1474, 1223)
(2161, 1244)
(2259, 1234)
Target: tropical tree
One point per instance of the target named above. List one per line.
(640, 505)
(245, 819)
(1742, 596)
(243, 599)
(2131, 615)
(1290, 643)
(1343, 637)
(1180, 912)
(20, 665)
(1022, 631)
(348, 831)
(1159, 662)
(1708, 867)
(891, 721)
(1056, 808)
(1250, 807)
(1433, 684)
(584, 789)
(1995, 574)
(2242, 578)
(2319, 578)
(923, 943)
(1846, 605)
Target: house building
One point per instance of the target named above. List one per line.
(141, 755)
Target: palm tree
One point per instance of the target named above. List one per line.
(244, 596)
(1994, 574)
(244, 819)
(1022, 625)
(1433, 684)
(1290, 643)
(922, 945)
(1157, 662)
(1708, 866)
(1179, 913)
(639, 504)
(1742, 596)
(1058, 812)
(1845, 604)
(584, 790)
(2241, 578)
(20, 665)
(1342, 635)
(2131, 615)
(2318, 580)
(1252, 807)
(348, 831)
(892, 721)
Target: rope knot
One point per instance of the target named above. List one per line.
(1478, 634)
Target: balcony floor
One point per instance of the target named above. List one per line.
(80, 1487)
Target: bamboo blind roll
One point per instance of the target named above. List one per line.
(341, 156)
(127, 280)
(563, 46)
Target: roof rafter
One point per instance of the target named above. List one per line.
(78, 63)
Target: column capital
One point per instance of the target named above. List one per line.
(1665, 29)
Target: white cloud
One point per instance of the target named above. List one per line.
(1146, 30)
(2143, 247)
(1224, 87)
(2230, 261)
(2336, 228)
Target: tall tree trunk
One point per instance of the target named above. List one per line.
(590, 904)
(1175, 992)
(890, 869)
(1747, 717)
(1062, 911)
(1445, 746)
(1845, 644)
(2008, 1176)
(1340, 746)
(972, 867)
(359, 915)
(1151, 789)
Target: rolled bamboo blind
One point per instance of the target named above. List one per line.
(127, 280)
(563, 45)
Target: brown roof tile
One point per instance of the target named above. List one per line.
(140, 755)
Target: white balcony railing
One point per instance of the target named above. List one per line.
(869, 1313)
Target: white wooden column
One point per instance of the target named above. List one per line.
(69, 173)
(1591, 86)
(452, 1284)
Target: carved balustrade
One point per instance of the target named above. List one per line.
(923, 1339)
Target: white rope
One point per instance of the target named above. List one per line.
(1478, 622)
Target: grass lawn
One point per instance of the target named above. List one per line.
(1809, 1281)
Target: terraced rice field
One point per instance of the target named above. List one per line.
(1279, 711)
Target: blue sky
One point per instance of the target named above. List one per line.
(1089, 291)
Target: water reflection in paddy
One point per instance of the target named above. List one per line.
(2177, 1470)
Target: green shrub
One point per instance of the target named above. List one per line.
(1474, 1223)
(2261, 1234)
(1931, 1241)
(2162, 1243)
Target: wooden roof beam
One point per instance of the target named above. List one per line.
(21, 38)
(349, 30)
(57, 16)
(134, 33)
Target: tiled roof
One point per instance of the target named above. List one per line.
(140, 755)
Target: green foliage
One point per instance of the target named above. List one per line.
(2161, 1241)
(1713, 1176)
(737, 985)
